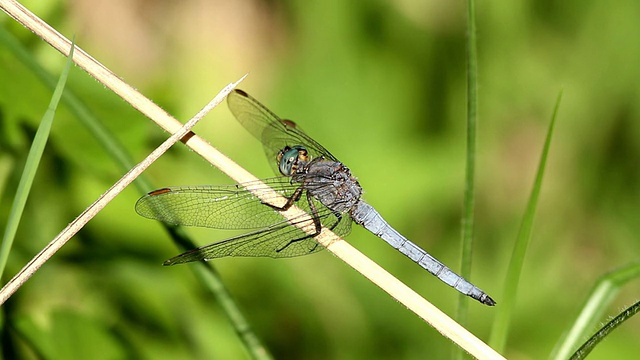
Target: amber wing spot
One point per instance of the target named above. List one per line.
(289, 123)
(241, 92)
(159, 192)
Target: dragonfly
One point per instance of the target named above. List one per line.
(309, 177)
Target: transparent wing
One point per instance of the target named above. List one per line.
(279, 240)
(274, 133)
(232, 207)
(214, 206)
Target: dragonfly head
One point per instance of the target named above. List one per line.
(291, 158)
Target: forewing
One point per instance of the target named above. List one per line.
(214, 206)
(274, 133)
(230, 206)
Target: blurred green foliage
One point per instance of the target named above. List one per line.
(380, 84)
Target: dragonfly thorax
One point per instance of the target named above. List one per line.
(331, 183)
(292, 158)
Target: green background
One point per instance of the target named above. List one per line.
(382, 85)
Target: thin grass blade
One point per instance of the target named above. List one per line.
(31, 166)
(469, 191)
(586, 348)
(604, 291)
(462, 309)
(501, 324)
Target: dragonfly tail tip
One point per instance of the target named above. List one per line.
(487, 300)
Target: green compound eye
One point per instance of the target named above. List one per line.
(289, 158)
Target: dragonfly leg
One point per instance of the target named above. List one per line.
(290, 201)
(316, 222)
(314, 214)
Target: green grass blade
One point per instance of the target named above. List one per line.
(31, 166)
(462, 309)
(604, 291)
(469, 192)
(586, 348)
(500, 328)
